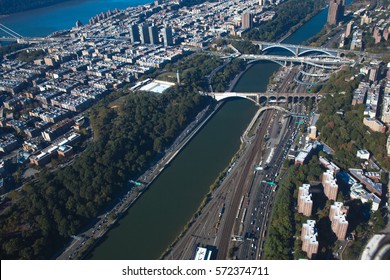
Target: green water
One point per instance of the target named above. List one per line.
(161, 213)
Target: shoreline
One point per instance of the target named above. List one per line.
(160, 166)
(253, 121)
(299, 25)
(213, 187)
(47, 9)
(237, 78)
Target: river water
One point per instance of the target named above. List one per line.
(161, 213)
(44, 21)
(158, 217)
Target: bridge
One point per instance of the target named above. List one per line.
(317, 61)
(14, 36)
(269, 97)
(297, 50)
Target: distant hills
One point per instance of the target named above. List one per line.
(14, 6)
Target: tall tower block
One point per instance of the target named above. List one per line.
(178, 77)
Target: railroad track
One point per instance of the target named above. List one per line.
(241, 186)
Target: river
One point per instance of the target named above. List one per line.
(158, 217)
(44, 21)
(161, 213)
(249, 82)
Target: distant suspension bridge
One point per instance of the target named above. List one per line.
(14, 35)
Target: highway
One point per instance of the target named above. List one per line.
(237, 215)
(209, 227)
(252, 158)
(82, 243)
(263, 195)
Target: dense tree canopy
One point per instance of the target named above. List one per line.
(127, 139)
(223, 78)
(288, 14)
(341, 124)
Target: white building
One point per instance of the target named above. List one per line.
(202, 254)
(363, 154)
(358, 192)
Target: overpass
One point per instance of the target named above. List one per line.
(317, 61)
(260, 97)
(297, 50)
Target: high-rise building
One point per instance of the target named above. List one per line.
(348, 30)
(247, 21)
(377, 35)
(388, 146)
(178, 77)
(336, 11)
(374, 74)
(366, 19)
(337, 216)
(144, 33)
(309, 238)
(330, 185)
(386, 108)
(305, 203)
(153, 35)
(167, 36)
(386, 33)
(134, 33)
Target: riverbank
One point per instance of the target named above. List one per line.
(236, 79)
(213, 188)
(296, 27)
(97, 232)
(216, 184)
(251, 124)
(246, 138)
(42, 22)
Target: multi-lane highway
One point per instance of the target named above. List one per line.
(244, 179)
(209, 227)
(262, 197)
(234, 221)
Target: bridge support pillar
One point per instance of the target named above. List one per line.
(260, 47)
(297, 52)
(258, 99)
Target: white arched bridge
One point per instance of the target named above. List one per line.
(269, 97)
(331, 63)
(297, 50)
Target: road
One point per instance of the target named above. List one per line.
(237, 215)
(264, 191)
(243, 178)
(84, 241)
(210, 225)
